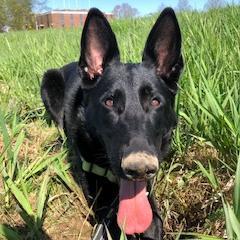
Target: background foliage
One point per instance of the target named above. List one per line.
(194, 187)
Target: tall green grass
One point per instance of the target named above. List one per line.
(210, 86)
(208, 104)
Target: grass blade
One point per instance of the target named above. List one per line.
(5, 134)
(43, 194)
(9, 233)
(235, 224)
(210, 175)
(236, 193)
(17, 147)
(22, 200)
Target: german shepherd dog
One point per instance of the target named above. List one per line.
(118, 119)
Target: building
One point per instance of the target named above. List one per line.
(63, 18)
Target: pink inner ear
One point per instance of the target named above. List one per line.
(94, 57)
(162, 60)
(165, 57)
(94, 66)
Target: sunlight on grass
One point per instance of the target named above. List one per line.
(35, 177)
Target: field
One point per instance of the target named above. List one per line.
(198, 186)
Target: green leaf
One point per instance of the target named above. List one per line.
(9, 233)
(5, 134)
(22, 200)
(236, 193)
(123, 236)
(229, 229)
(235, 224)
(210, 175)
(43, 194)
(17, 147)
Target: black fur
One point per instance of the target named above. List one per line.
(76, 96)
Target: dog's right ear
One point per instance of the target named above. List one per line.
(52, 93)
(98, 48)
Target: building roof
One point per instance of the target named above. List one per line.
(69, 11)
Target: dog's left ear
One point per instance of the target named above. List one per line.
(163, 47)
(98, 47)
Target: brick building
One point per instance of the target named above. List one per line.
(63, 18)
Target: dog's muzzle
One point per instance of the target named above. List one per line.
(140, 165)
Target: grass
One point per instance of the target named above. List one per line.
(197, 190)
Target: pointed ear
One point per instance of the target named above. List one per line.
(163, 47)
(98, 47)
(52, 93)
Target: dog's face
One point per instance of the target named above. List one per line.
(127, 109)
(130, 107)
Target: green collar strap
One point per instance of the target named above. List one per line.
(99, 171)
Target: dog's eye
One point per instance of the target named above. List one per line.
(155, 102)
(109, 102)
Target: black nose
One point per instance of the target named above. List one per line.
(140, 165)
(136, 173)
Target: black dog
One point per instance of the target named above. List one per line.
(118, 119)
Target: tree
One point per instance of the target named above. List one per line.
(18, 14)
(214, 4)
(124, 11)
(3, 14)
(116, 11)
(183, 5)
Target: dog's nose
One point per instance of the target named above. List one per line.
(140, 165)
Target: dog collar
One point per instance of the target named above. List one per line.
(99, 171)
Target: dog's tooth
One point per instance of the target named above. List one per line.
(147, 193)
(86, 69)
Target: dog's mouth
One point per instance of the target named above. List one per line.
(134, 212)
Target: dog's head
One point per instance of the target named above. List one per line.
(131, 106)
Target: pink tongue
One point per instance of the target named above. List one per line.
(134, 212)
